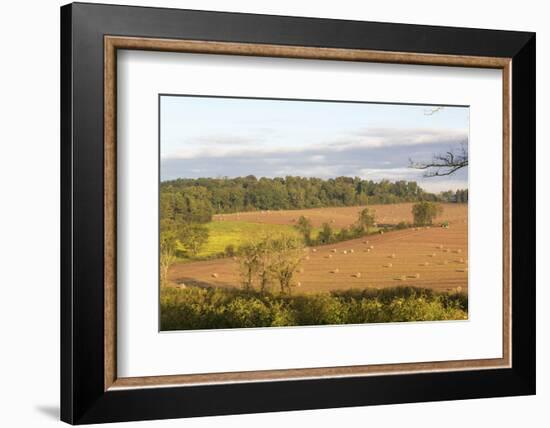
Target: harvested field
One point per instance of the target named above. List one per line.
(344, 216)
(432, 257)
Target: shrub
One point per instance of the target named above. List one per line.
(424, 212)
(195, 308)
(230, 250)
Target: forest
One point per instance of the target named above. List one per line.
(196, 200)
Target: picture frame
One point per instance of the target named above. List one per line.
(91, 390)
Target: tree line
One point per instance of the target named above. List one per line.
(202, 197)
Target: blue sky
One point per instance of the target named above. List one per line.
(216, 137)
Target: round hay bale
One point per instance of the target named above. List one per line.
(345, 252)
(392, 256)
(335, 270)
(357, 275)
(214, 275)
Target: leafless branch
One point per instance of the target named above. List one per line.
(443, 164)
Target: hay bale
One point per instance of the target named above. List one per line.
(432, 255)
(457, 251)
(392, 256)
(381, 232)
(334, 250)
(181, 285)
(440, 246)
(214, 275)
(365, 242)
(335, 270)
(298, 284)
(367, 250)
(306, 258)
(301, 270)
(344, 252)
(425, 264)
(372, 247)
(388, 265)
(351, 251)
(314, 250)
(357, 275)
(329, 256)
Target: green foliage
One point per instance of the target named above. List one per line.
(230, 250)
(196, 198)
(211, 308)
(270, 259)
(305, 227)
(402, 225)
(366, 219)
(424, 212)
(192, 238)
(187, 204)
(177, 237)
(326, 234)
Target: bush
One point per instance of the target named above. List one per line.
(230, 250)
(211, 308)
(424, 212)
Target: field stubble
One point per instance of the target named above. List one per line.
(433, 257)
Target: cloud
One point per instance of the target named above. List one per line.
(212, 146)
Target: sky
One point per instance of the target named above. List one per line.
(232, 137)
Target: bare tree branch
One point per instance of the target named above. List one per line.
(443, 164)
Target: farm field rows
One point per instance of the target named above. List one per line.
(339, 217)
(432, 257)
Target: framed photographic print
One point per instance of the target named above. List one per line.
(265, 213)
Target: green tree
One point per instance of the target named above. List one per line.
(192, 237)
(305, 227)
(287, 257)
(424, 212)
(255, 264)
(169, 238)
(249, 264)
(326, 235)
(366, 219)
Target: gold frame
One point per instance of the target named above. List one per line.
(113, 43)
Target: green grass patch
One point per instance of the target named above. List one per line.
(236, 233)
(195, 308)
